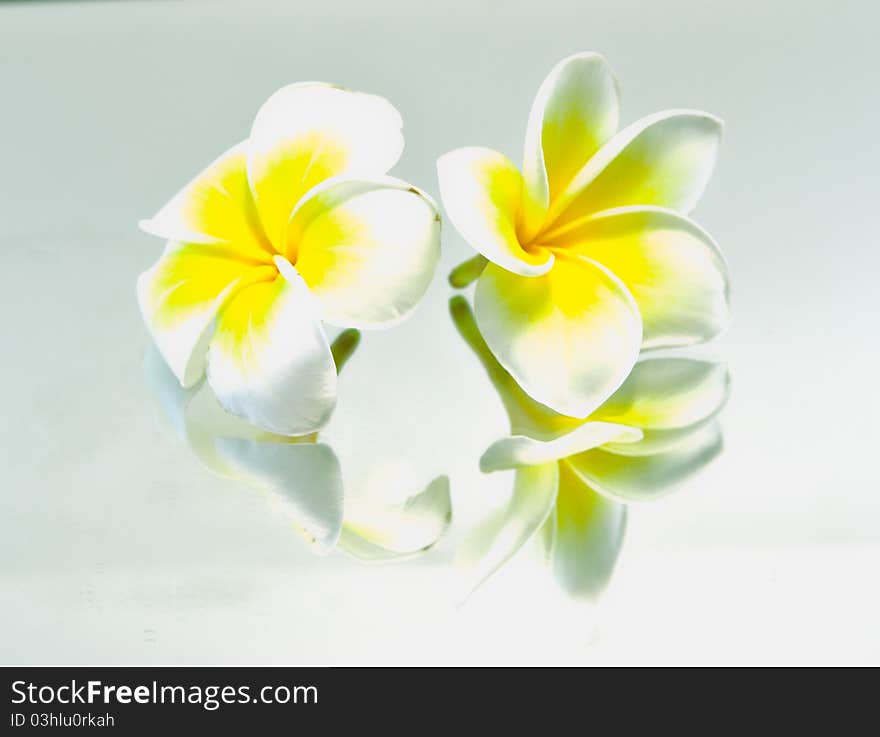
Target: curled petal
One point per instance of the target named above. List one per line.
(482, 192)
(583, 537)
(306, 133)
(217, 208)
(575, 112)
(645, 477)
(519, 450)
(269, 361)
(181, 295)
(668, 393)
(374, 532)
(665, 159)
(569, 338)
(670, 265)
(659, 441)
(367, 248)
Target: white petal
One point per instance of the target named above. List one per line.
(641, 478)
(373, 531)
(668, 393)
(269, 361)
(519, 450)
(569, 337)
(534, 493)
(206, 421)
(527, 417)
(200, 421)
(306, 478)
(665, 159)
(575, 112)
(304, 134)
(482, 192)
(587, 535)
(367, 248)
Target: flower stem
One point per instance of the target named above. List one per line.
(467, 271)
(463, 318)
(343, 347)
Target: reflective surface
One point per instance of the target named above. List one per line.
(119, 546)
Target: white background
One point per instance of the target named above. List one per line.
(116, 546)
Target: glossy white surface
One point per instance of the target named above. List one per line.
(117, 546)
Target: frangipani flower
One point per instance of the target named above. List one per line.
(591, 255)
(294, 226)
(574, 477)
(303, 477)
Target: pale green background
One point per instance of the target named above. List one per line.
(116, 546)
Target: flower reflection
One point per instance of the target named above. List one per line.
(302, 475)
(575, 477)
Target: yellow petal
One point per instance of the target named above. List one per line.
(180, 296)
(367, 248)
(668, 263)
(269, 361)
(665, 159)
(308, 132)
(574, 114)
(216, 207)
(569, 338)
(482, 192)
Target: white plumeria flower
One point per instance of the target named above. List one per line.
(591, 255)
(297, 225)
(303, 477)
(575, 476)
